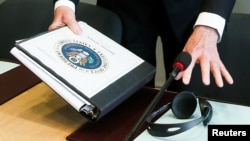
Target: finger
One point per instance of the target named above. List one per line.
(216, 71)
(205, 71)
(226, 74)
(178, 76)
(55, 25)
(75, 27)
(186, 77)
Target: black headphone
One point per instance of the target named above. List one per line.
(183, 106)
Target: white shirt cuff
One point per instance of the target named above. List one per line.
(67, 3)
(212, 20)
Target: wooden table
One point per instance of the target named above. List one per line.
(38, 114)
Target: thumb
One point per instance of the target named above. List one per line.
(75, 27)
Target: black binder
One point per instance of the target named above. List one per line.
(108, 73)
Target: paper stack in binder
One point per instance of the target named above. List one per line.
(90, 71)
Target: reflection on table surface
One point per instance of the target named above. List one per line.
(40, 114)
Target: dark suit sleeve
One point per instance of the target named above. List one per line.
(74, 1)
(220, 7)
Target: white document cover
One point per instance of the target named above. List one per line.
(90, 71)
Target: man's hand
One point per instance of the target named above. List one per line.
(64, 16)
(202, 45)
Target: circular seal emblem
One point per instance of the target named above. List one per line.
(81, 56)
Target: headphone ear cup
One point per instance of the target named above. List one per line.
(184, 104)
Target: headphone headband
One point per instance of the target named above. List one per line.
(164, 130)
